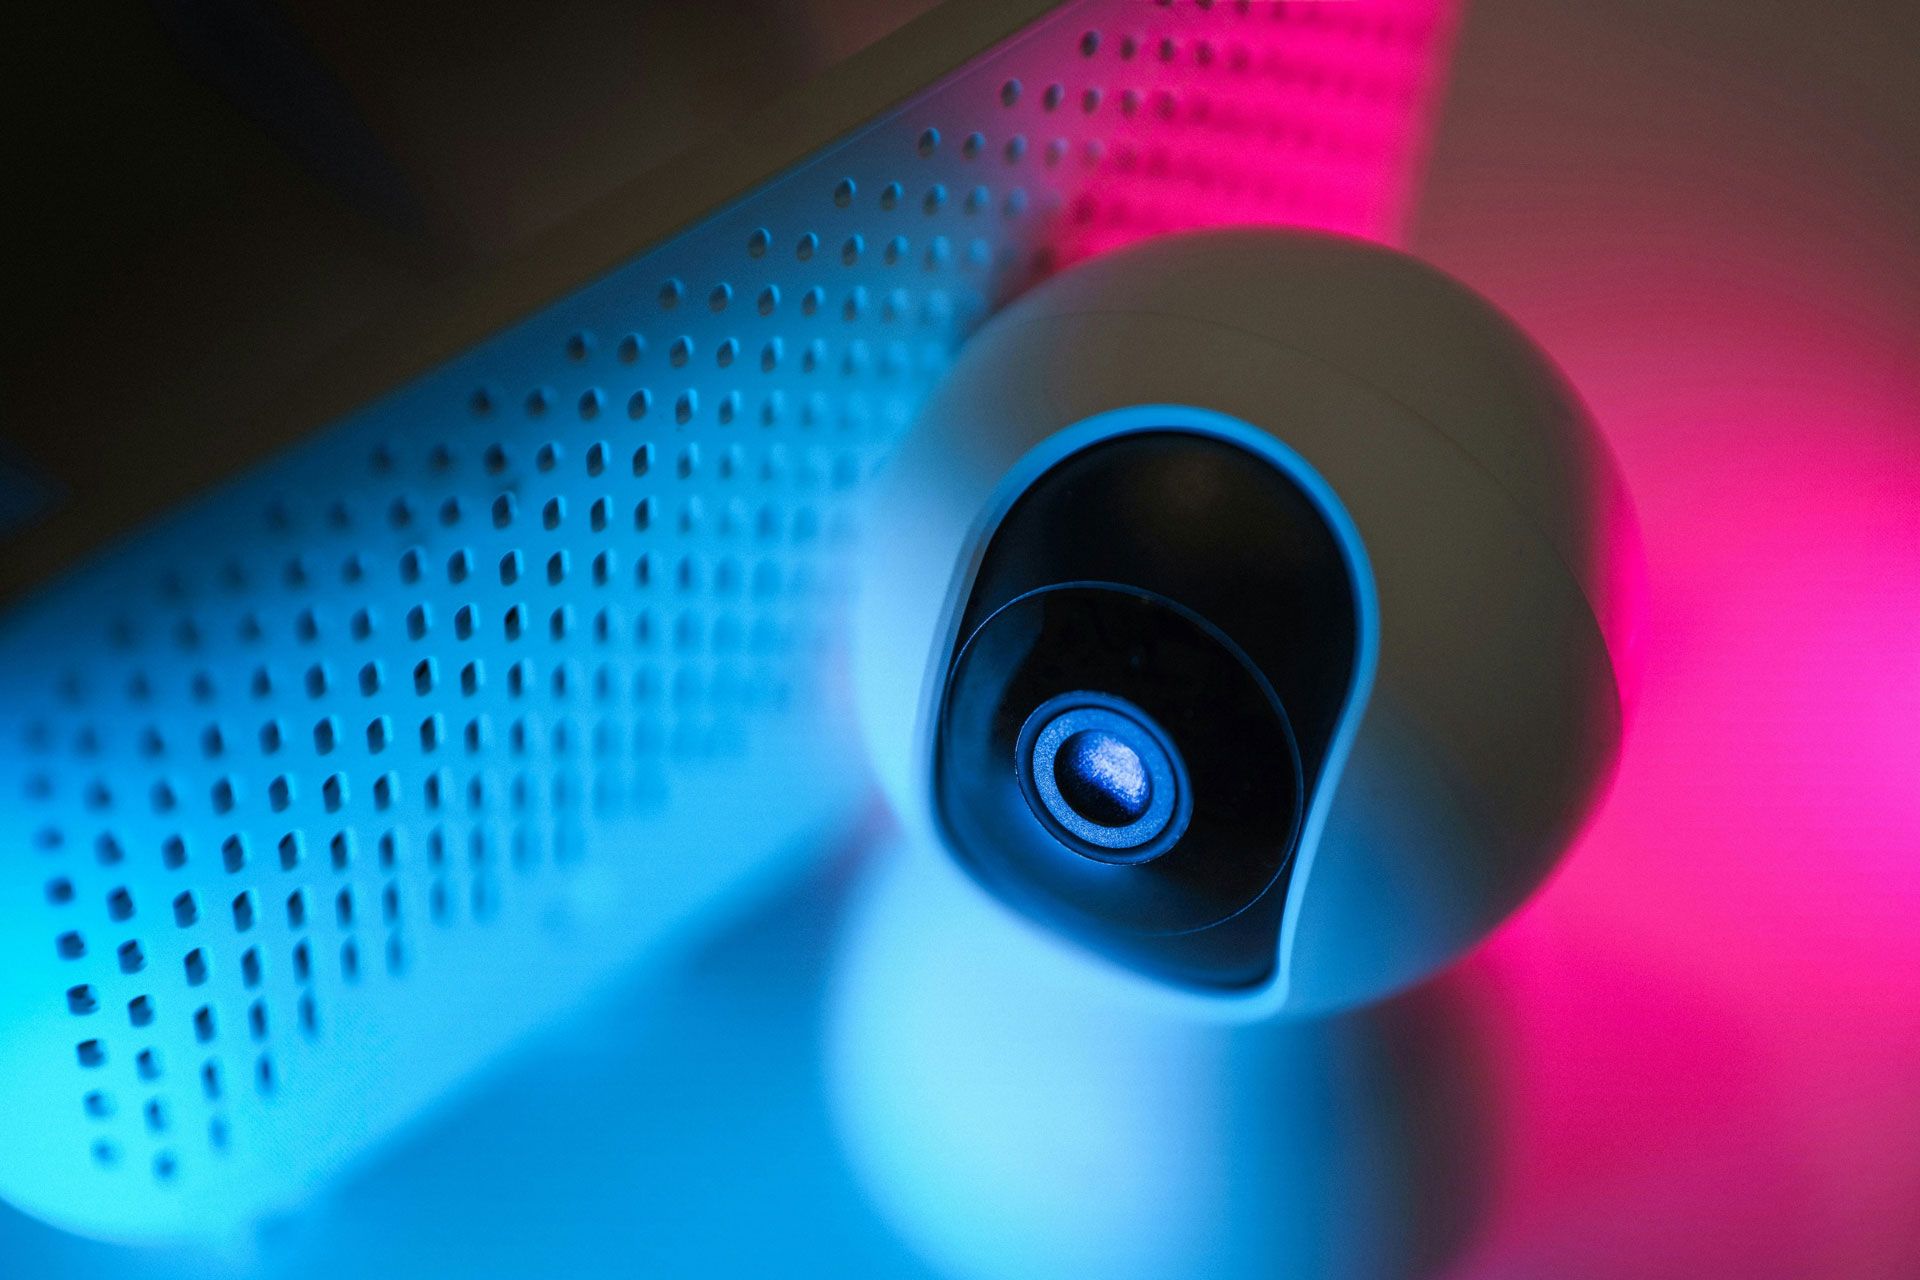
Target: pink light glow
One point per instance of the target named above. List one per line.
(1713, 1014)
(1712, 1017)
(1302, 114)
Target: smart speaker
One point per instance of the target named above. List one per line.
(511, 646)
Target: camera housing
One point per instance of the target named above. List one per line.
(1310, 537)
(1105, 610)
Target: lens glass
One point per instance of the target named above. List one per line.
(1102, 778)
(1108, 757)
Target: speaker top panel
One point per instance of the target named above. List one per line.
(322, 790)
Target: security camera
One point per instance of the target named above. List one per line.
(1254, 618)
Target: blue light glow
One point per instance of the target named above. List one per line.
(419, 734)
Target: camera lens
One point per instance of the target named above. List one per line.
(1109, 756)
(1101, 775)
(1102, 778)
(1153, 654)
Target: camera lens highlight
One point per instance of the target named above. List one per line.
(1102, 778)
(1099, 772)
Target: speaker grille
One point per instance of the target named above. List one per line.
(322, 792)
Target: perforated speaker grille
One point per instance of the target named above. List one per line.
(323, 791)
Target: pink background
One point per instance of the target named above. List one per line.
(1710, 1021)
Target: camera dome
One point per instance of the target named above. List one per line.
(1383, 538)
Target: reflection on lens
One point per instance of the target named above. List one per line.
(1103, 778)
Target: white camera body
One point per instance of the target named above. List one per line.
(1470, 515)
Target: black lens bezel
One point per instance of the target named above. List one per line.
(1161, 759)
(1243, 786)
